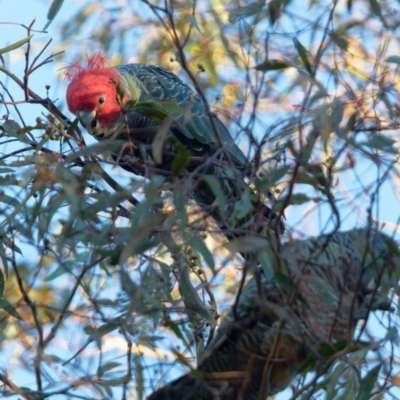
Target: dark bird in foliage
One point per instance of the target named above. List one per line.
(161, 122)
(261, 344)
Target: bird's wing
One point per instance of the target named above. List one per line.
(192, 126)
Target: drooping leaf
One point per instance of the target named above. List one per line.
(55, 7)
(215, 185)
(376, 8)
(180, 161)
(191, 298)
(200, 246)
(303, 54)
(175, 328)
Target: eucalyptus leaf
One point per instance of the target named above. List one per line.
(9, 309)
(245, 11)
(191, 298)
(15, 46)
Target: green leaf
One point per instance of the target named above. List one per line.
(93, 333)
(159, 139)
(175, 328)
(215, 186)
(8, 308)
(284, 282)
(73, 126)
(320, 94)
(267, 260)
(381, 142)
(60, 270)
(273, 177)
(247, 244)
(303, 54)
(376, 8)
(393, 59)
(15, 45)
(107, 328)
(368, 382)
(6, 170)
(295, 199)
(10, 243)
(246, 11)
(133, 88)
(12, 201)
(3, 258)
(53, 11)
(339, 41)
(191, 298)
(272, 65)
(107, 367)
(193, 22)
(2, 282)
(13, 129)
(200, 246)
(180, 161)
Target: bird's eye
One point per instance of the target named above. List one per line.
(102, 100)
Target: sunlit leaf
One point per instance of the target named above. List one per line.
(15, 46)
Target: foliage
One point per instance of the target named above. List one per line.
(112, 283)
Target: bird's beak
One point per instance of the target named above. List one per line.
(87, 119)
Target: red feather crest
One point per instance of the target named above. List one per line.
(90, 63)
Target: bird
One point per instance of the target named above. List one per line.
(272, 330)
(158, 118)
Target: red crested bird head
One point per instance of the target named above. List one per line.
(92, 95)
